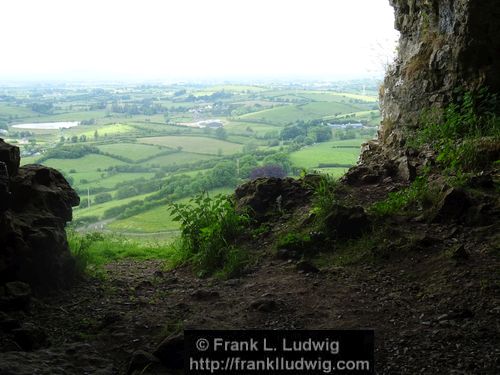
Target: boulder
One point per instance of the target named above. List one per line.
(347, 222)
(264, 304)
(36, 205)
(406, 170)
(265, 196)
(43, 189)
(356, 176)
(306, 267)
(452, 206)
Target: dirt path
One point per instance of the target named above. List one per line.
(431, 316)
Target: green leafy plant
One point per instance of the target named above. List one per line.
(324, 195)
(418, 192)
(260, 230)
(299, 243)
(209, 227)
(463, 133)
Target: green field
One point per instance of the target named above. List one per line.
(158, 219)
(178, 158)
(133, 151)
(7, 110)
(104, 131)
(241, 126)
(88, 163)
(98, 209)
(327, 153)
(29, 159)
(200, 145)
(69, 116)
(138, 128)
(289, 113)
(336, 97)
(109, 181)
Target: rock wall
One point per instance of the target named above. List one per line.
(35, 204)
(445, 45)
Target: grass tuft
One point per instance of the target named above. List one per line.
(92, 250)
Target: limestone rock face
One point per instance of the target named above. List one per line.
(444, 45)
(35, 204)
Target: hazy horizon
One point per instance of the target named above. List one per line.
(195, 41)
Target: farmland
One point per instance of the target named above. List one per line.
(158, 219)
(201, 145)
(286, 114)
(335, 152)
(132, 152)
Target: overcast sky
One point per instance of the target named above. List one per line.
(194, 39)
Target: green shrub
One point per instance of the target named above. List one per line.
(418, 192)
(458, 134)
(102, 198)
(209, 227)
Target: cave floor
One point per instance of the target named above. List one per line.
(431, 315)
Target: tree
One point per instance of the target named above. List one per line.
(96, 135)
(103, 197)
(280, 159)
(45, 108)
(308, 141)
(221, 133)
(347, 134)
(84, 203)
(322, 133)
(247, 164)
(291, 132)
(250, 147)
(125, 192)
(224, 174)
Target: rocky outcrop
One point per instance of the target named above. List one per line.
(267, 196)
(35, 205)
(347, 222)
(445, 46)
